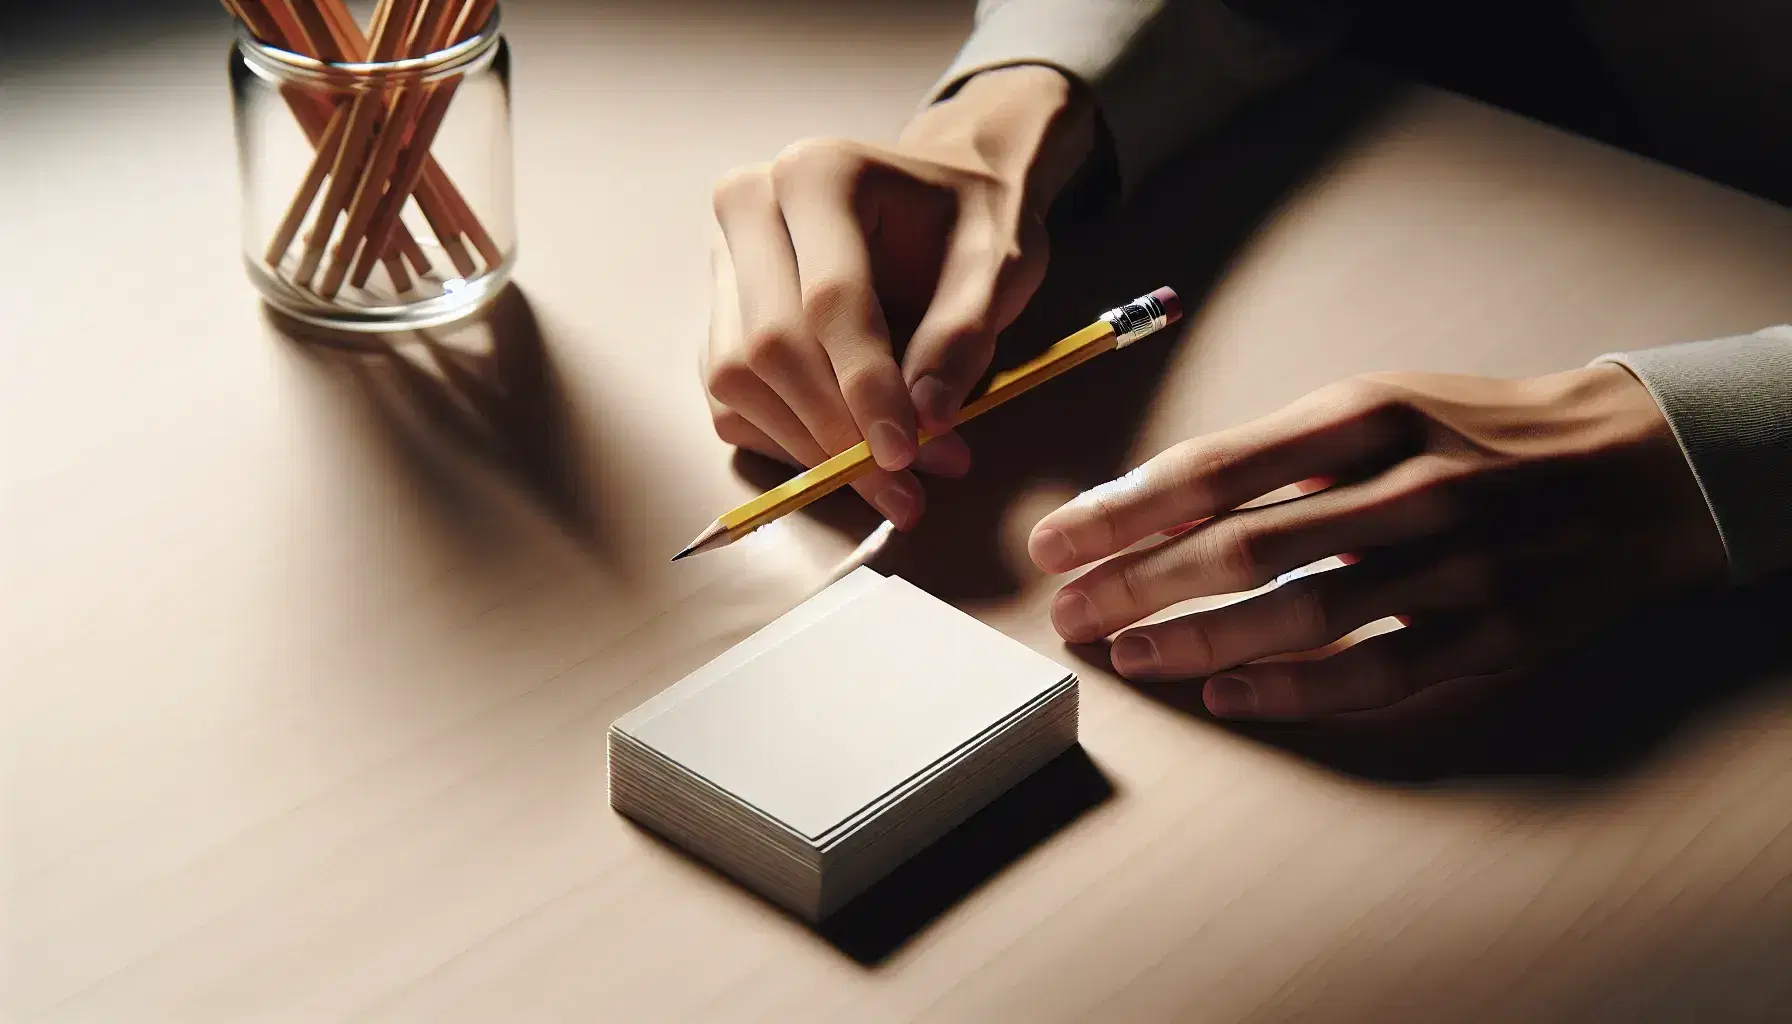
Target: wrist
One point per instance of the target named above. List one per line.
(1683, 537)
(1028, 125)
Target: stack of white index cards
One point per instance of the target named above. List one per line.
(824, 750)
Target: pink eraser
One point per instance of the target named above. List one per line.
(1172, 305)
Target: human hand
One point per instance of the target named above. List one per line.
(837, 246)
(1501, 520)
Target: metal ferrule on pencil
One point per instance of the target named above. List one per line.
(1139, 318)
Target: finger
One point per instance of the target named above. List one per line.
(1246, 550)
(1320, 435)
(898, 496)
(1381, 670)
(1302, 615)
(748, 412)
(724, 328)
(740, 432)
(1294, 490)
(773, 339)
(946, 455)
(989, 274)
(816, 186)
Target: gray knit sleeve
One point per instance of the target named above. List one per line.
(1729, 403)
(1160, 71)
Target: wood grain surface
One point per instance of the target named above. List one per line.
(310, 645)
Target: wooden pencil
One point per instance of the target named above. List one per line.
(322, 122)
(440, 202)
(411, 172)
(274, 22)
(325, 29)
(317, 31)
(1117, 328)
(322, 126)
(428, 35)
(391, 19)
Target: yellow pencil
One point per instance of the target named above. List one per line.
(1117, 328)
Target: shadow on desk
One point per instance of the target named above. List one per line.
(487, 387)
(1593, 713)
(881, 921)
(886, 917)
(1599, 711)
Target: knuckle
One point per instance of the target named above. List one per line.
(970, 328)
(1233, 555)
(1430, 496)
(1284, 690)
(1215, 469)
(961, 349)
(1362, 393)
(730, 426)
(1308, 613)
(768, 350)
(741, 187)
(1197, 648)
(1203, 469)
(833, 300)
(808, 161)
(864, 386)
(1374, 397)
(1132, 584)
(1388, 385)
(728, 379)
(838, 434)
(994, 239)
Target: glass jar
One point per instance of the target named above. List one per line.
(376, 196)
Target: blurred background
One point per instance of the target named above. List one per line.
(1709, 97)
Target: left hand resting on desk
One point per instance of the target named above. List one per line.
(1501, 520)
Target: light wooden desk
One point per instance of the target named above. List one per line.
(309, 655)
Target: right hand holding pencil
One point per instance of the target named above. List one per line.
(838, 252)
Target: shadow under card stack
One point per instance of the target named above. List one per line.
(817, 755)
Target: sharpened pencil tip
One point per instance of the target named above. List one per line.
(714, 536)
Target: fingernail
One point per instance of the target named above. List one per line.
(1051, 550)
(1229, 696)
(1075, 617)
(932, 399)
(889, 445)
(1135, 653)
(897, 505)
